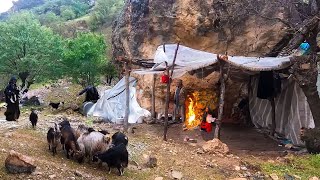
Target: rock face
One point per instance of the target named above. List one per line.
(18, 163)
(215, 146)
(240, 27)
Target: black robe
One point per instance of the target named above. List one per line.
(12, 99)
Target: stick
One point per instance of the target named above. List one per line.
(153, 98)
(168, 94)
(126, 117)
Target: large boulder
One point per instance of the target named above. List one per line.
(215, 146)
(241, 27)
(19, 163)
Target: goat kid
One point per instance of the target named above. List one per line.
(115, 157)
(53, 137)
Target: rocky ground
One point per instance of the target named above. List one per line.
(252, 155)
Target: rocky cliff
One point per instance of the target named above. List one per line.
(239, 27)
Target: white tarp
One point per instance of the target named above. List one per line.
(292, 110)
(112, 104)
(187, 60)
(190, 59)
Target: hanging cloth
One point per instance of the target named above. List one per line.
(269, 85)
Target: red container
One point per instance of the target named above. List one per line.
(164, 79)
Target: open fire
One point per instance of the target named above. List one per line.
(196, 103)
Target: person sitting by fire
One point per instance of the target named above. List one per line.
(207, 121)
(179, 102)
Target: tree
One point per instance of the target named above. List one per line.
(110, 71)
(49, 19)
(67, 13)
(105, 11)
(84, 57)
(29, 50)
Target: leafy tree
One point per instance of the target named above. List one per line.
(49, 18)
(105, 11)
(110, 72)
(84, 57)
(26, 4)
(67, 13)
(29, 50)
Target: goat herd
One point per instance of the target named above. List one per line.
(86, 143)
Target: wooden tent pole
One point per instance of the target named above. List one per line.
(273, 111)
(222, 95)
(153, 98)
(168, 93)
(127, 110)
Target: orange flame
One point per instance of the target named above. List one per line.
(191, 118)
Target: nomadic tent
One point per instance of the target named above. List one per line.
(292, 109)
(112, 104)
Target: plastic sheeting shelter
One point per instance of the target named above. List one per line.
(112, 104)
(292, 109)
(190, 59)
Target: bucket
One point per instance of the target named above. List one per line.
(86, 107)
(119, 120)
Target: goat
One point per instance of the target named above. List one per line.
(53, 137)
(105, 132)
(118, 138)
(56, 105)
(64, 124)
(92, 143)
(116, 156)
(33, 118)
(80, 130)
(70, 143)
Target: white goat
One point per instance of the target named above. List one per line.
(93, 143)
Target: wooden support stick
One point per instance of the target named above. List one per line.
(168, 93)
(153, 97)
(221, 99)
(273, 111)
(126, 117)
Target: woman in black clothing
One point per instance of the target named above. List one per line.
(12, 99)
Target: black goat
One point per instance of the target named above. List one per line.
(33, 118)
(56, 105)
(118, 138)
(104, 132)
(69, 141)
(53, 137)
(115, 157)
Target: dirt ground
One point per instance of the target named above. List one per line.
(173, 155)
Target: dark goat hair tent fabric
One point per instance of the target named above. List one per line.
(269, 85)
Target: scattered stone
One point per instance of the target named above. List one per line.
(151, 161)
(158, 178)
(314, 178)
(274, 177)
(78, 173)
(238, 179)
(200, 151)
(288, 146)
(215, 146)
(237, 168)
(297, 177)
(243, 168)
(52, 176)
(192, 141)
(3, 150)
(19, 163)
(36, 173)
(8, 135)
(176, 175)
